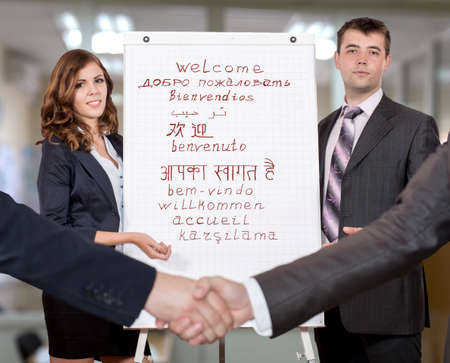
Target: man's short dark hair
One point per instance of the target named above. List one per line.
(365, 25)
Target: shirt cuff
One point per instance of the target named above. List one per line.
(262, 322)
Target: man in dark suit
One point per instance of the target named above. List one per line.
(94, 278)
(368, 151)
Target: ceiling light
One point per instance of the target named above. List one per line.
(72, 38)
(69, 21)
(328, 32)
(325, 48)
(104, 23)
(298, 27)
(107, 42)
(123, 23)
(315, 28)
(318, 29)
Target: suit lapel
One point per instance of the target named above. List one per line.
(93, 167)
(378, 126)
(325, 127)
(116, 143)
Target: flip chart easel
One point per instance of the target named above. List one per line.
(307, 343)
(220, 151)
(305, 338)
(140, 348)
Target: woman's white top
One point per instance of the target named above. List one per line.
(115, 175)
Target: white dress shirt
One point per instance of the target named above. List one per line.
(115, 175)
(367, 106)
(262, 320)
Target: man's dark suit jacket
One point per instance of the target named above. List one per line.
(394, 143)
(59, 261)
(77, 177)
(416, 227)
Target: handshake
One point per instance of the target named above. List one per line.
(205, 310)
(200, 311)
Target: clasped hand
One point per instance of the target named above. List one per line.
(198, 311)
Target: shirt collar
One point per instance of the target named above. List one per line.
(110, 148)
(369, 104)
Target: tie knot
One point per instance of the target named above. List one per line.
(352, 112)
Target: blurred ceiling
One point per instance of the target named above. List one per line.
(409, 5)
(30, 27)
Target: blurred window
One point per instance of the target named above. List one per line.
(443, 88)
(415, 79)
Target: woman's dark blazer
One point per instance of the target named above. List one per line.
(75, 191)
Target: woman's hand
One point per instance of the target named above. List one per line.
(146, 243)
(150, 247)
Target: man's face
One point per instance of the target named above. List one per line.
(362, 61)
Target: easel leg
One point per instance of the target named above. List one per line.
(222, 350)
(307, 345)
(140, 348)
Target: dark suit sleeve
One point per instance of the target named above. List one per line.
(425, 142)
(54, 186)
(52, 258)
(409, 232)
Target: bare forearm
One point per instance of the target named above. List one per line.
(146, 243)
(114, 238)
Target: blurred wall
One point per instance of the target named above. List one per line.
(19, 117)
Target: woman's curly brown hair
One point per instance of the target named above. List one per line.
(57, 114)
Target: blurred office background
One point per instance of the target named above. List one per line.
(34, 34)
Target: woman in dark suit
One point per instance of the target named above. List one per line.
(80, 186)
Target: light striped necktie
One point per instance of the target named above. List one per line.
(339, 161)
